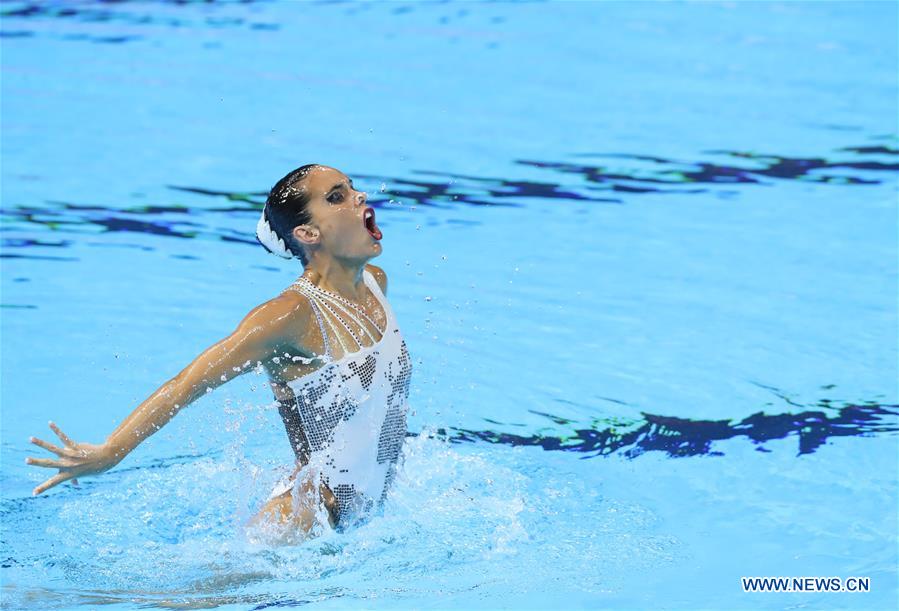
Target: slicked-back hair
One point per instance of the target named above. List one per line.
(286, 208)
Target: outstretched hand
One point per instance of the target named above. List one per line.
(75, 459)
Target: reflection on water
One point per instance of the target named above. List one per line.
(117, 15)
(679, 437)
(574, 183)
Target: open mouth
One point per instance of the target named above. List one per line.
(368, 217)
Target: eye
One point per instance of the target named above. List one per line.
(335, 197)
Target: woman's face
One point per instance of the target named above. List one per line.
(339, 214)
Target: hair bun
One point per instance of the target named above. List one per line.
(270, 240)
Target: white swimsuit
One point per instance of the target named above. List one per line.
(347, 419)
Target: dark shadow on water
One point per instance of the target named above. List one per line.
(763, 168)
(230, 216)
(680, 437)
(150, 18)
(116, 14)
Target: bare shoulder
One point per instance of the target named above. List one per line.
(379, 274)
(284, 315)
(288, 303)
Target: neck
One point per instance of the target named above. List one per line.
(338, 276)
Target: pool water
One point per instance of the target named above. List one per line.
(644, 256)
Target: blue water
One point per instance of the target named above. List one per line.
(644, 256)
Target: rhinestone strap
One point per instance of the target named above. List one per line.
(318, 317)
(304, 288)
(344, 301)
(345, 326)
(321, 328)
(339, 298)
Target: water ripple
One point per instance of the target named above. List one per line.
(681, 437)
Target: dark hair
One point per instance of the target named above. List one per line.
(285, 208)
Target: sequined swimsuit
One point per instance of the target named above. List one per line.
(347, 419)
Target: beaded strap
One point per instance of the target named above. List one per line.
(318, 317)
(325, 295)
(321, 328)
(343, 300)
(345, 326)
(320, 299)
(312, 298)
(338, 300)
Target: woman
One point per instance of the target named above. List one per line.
(330, 346)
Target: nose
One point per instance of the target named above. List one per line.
(362, 198)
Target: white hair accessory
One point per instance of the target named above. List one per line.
(268, 238)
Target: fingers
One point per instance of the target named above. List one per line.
(46, 446)
(45, 462)
(56, 479)
(63, 436)
(65, 465)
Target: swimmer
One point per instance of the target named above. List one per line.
(330, 346)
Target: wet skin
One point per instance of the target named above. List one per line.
(280, 335)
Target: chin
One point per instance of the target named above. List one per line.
(374, 251)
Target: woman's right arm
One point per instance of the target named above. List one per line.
(261, 335)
